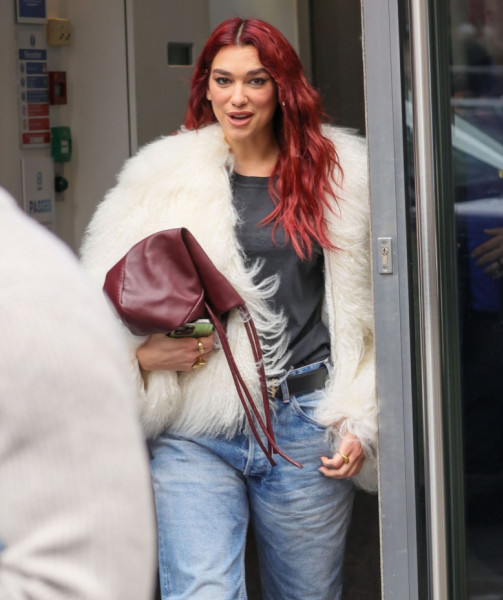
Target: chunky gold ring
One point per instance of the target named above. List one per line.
(345, 459)
(200, 345)
(200, 362)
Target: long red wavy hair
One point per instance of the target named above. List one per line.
(301, 182)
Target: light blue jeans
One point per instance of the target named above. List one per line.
(207, 489)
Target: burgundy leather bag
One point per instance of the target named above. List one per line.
(167, 280)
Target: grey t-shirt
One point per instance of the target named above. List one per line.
(301, 291)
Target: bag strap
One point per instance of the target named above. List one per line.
(243, 391)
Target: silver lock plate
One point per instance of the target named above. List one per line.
(385, 255)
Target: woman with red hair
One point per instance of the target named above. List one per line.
(279, 201)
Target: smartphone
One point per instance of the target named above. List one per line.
(195, 329)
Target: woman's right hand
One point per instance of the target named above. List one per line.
(163, 353)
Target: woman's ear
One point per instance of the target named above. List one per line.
(208, 95)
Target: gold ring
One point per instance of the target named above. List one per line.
(345, 459)
(200, 362)
(200, 345)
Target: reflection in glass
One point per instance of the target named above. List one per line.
(477, 136)
(476, 121)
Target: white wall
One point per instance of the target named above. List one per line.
(96, 112)
(161, 90)
(99, 120)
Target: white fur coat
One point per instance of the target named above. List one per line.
(183, 181)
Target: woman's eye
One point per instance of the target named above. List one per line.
(258, 81)
(222, 80)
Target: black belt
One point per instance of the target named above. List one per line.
(303, 382)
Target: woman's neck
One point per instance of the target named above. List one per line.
(254, 161)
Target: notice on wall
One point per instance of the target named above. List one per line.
(38, 190)
(31, 11)
(33, 88)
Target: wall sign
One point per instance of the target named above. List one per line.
(33, 89)
(31, 11)
(38, 190)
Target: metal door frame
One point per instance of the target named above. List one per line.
(398, 474)
(417, 484)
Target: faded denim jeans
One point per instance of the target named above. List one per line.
(207, 489)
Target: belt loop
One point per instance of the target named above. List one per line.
(284, 391)
(327, 363)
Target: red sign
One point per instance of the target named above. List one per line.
(43, 137)
(39, 124)
(38, 110)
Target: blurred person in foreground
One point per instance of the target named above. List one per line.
(76, 516)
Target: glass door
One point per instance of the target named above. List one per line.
(476, 83)
(456, 91)
(434, 81)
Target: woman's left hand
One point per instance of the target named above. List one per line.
(347, 461)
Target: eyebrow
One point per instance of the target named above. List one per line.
(249, 74)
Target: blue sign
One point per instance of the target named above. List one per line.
(31, 11)
(38, 54)
(37, 97)
(36, 82)
(34, 68)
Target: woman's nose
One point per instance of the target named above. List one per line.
(238, 96)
